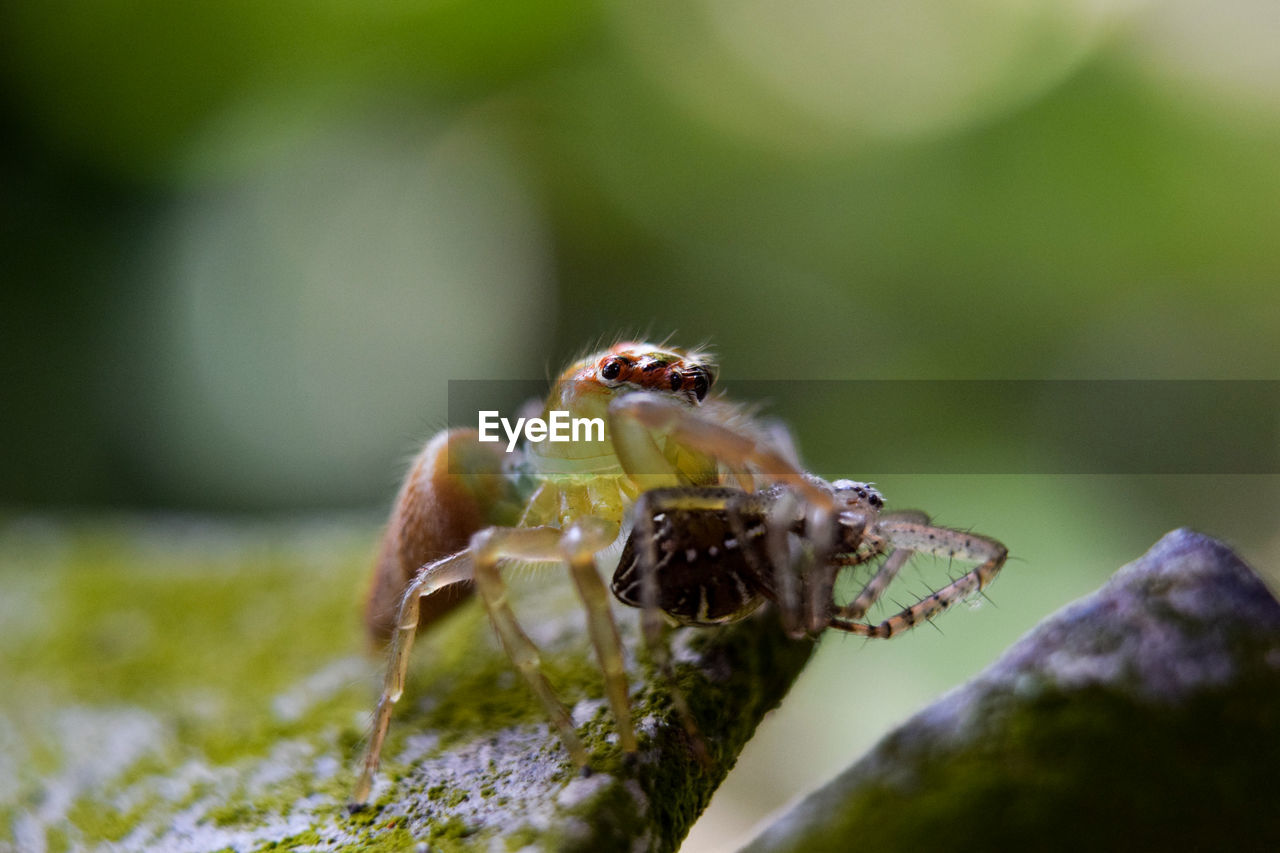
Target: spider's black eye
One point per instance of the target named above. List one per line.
(701, 385)
(611, 370)
(676, 380)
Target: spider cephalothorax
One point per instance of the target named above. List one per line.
(706, 547)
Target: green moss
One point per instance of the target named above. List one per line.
(387, 837)
(757, 664)
(520, 838)
(56, 840)
(447, 796)
(306, 838)
(236, 813)
(613, 817)
(151, 764)
(1110, 771)
(475, 689)
(172, 628)
(449, 834)
(214, 622)
(98, 821)
(204, 634)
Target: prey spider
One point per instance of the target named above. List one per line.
(705, 546)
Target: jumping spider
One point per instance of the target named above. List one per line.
(706, 546)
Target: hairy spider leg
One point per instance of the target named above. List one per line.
(888, 570)
(876, 586)
(941, 542)
(453, 569)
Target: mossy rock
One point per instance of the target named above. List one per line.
(184, 685)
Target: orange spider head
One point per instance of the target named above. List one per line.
(637, 366)
(654, 368)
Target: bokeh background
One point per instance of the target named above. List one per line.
(246, 245)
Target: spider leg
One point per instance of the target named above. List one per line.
(451, 570)
(940, 541)
(488, 548)
(656, 640)
(875, 587)
(643, 412)
(579, 544)
(883, 577)
(779, 546)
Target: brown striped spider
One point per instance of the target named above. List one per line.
(707, 547)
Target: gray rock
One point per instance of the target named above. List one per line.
(1144, 716)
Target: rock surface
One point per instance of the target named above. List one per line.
(1145, 716)
(185, 686)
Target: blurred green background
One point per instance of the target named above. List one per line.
(246, 245)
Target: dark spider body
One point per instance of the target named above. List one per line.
(709, 570)
(713, 565)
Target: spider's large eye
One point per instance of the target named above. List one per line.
(611, 369)
(701, 384)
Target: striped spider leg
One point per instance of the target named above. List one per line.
(907, 533)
